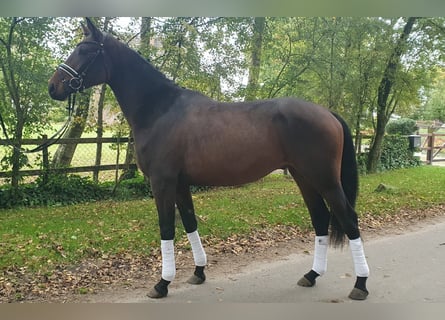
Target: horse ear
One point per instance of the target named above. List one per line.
(91, 30)
(86, 31)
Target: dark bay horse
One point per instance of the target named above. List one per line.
(184, 138)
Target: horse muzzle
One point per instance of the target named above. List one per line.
(56, 93)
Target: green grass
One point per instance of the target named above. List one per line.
(38, 239)
(414, 188)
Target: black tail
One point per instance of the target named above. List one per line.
(349, 182)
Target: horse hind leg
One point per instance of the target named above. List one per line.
(185, 206)
(320, 221)
(348, 222)
(344, 220)
(359, 292)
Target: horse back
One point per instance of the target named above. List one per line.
(217, 143)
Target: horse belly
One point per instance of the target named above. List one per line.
(227, 165)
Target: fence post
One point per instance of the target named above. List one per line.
(116, 172)
(430, 146)
(98, 157)
(45, 161)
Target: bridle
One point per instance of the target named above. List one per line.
(76, 82)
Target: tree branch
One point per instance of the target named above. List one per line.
(270, 95)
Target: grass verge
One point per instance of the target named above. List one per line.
(39, 239)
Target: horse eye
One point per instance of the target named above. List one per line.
(83, 51)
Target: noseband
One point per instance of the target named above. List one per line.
(77, 77)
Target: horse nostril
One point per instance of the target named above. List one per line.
(51, 88)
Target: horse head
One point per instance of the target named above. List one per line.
(84, 68)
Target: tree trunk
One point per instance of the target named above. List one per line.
(65, 152)
(98, 99)
(16, 154)
(100, 94)
(146, 34)
(13, 87)
(384, 108)
(256, 48)
(130, 157)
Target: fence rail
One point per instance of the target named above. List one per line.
(72, 140)
(45, 167)
(431, 146)
(432, 143)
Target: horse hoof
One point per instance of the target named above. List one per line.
(196, 280)
(155, 294)
(358, 294)
(304, 282)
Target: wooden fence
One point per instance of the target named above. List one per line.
(98, 166)
(433, 143)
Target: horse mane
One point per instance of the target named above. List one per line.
(139, 58)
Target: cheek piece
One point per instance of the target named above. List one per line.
(76, 81)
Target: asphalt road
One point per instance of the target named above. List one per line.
(405, 268)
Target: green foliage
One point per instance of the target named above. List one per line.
(57, 190)
(362, 159)
(71, 189)
(434, 108)
(395, 155)
(26, 64)
(403, 126)
(60, 189)
(197, 52)
(134, 188)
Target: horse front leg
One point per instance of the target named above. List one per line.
(187, 212)
(164, 191)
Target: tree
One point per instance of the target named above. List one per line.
(340, 63)
(288, 54)
(256, 45)
(364, 70)
(434, 108)
(24, 59)
(205, 54)
(387, 97)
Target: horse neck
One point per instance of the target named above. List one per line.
(138, 86)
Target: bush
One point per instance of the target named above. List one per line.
(131, 188)
(57, 190)
(71, 189)
(395, 155)
(402, 126)
(138, 188)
